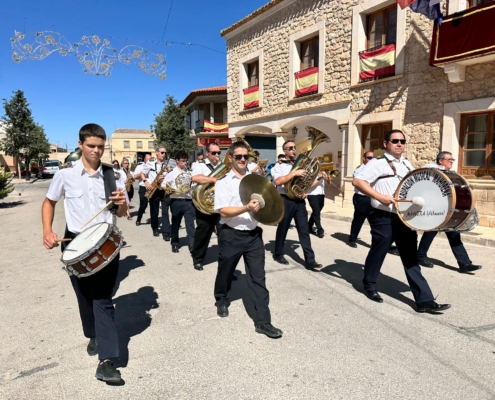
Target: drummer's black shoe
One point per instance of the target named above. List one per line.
(138, 222)
(269, 330)
(175, 248)
(426, 263)
(156, 232)
(107, 372)
(92, 348)
(166, 238)
(222, 310)
(468, 268)
(373, 295)
(281, 260)
(312, 266)
(198, 266)
(352, 244)
(431, 307)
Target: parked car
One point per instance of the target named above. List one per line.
(49, 168)
(268, 168)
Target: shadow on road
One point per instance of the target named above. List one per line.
(239, 290)
(126, 265)
(289, 250)
(132, 317)
(353, 273)
(211, 255)
(443, 265)
(344, 237)
(9, 204)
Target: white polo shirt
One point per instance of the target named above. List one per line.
(84, 195)
(227, 195)
(281, 169)
(380, 167)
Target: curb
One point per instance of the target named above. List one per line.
(467, 237)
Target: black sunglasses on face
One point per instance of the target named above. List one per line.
(395, 141)
(290, 148)
(239, 157)
(216, 153)
(369, 158)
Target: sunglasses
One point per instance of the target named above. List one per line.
(369, 158)
(395, 141)
(239, 157)
(216, 153)
(449, 159)
(290, 148)
(163, 152)
(115, 163)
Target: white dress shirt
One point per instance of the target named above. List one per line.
(356, 172)
(151, 169)
(170, 179)
(227, 195)
(380, 167)
(253, 165)
(281, 169)
(202, 168)
(84, 195)
(137, 172)
(319, 189)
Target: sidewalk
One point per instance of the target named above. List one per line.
(481, 235)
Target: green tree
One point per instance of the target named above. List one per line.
(19, 125)
(38, 146)
(5, 183)
(170, 128)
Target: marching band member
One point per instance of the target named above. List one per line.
(316, 200)
(143, 201)
(253, 166)
(362, 204)
(125, 171)
(200, 159)
(148, 176)
(294, 209)
(180, 203)
(444, 161)
(205, 224)
(87, 186)
(239, 237)
(379, 180)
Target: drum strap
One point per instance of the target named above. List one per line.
(110, 185)
(391, 163)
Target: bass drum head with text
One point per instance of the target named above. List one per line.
(85, 241)
(436, 191)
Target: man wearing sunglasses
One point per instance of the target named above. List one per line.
(293, 209)
(143, 201)
(379, 180)
(241, 236)
(148, 176)
(444, 161)
(362, 204)
(205, 224)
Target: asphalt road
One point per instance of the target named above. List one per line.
(337, 344)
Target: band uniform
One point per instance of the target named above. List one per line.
(143, 200)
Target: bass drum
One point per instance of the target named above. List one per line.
(449, 202)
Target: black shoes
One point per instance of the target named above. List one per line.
(268, 330)
(468, 268)
(198, 267)
(321, 235)
(175, 248)
(431, 307)
(92, 348)
(281, 260)
(107, 372)
(166, 238)
(156, 232)
(313, 266)
(373, 295)
(352, 244)
(138, 222)
(222, 311)
(426, 263)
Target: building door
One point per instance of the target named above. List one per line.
(267, 146)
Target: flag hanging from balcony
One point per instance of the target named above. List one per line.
(215, 127)
(429, 8)
(252, 97)
(376, 64)
(306, 81)
(404, 3)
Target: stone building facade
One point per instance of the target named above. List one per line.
(429, 103)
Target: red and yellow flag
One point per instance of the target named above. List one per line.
(306, 81)
(215, 127)
(378, 63)
(252, 97)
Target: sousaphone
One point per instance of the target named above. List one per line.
(255, 187)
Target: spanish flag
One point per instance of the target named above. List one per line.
(251, 97)
(215, 127)
(306, 81)
(378, 63)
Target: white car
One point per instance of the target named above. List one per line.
(49, 168)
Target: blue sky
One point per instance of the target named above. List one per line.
(63, 98)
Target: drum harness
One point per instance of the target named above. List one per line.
(390, 162)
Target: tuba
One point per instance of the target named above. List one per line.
(203, 196)
(299, 186)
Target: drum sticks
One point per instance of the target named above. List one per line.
(63, 240)
(101, 210)
(417, 201)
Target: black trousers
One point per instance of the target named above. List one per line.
(455, 242)
(232, 245)
(182, 208)
(294, 209)
(159, 197)
(316, 203)
(205, 225)
(94, 298)
(143, 202)
(385, 228)
(362, 210)
(130, 193)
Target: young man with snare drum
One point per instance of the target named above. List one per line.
(82, 185)
(379, 180)
(241, 236)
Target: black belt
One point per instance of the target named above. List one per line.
(246, 232)
(174, 198)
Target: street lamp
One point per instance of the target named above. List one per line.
(294, 130)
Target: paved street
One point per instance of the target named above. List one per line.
(337, 344)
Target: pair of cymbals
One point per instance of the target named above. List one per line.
(258, 188)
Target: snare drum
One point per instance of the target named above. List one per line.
(449, 202)
(92, 250)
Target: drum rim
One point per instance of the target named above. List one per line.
(450, 211)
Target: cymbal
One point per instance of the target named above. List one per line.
(255, 186)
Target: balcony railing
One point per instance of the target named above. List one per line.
(377, 63)
(306, 82)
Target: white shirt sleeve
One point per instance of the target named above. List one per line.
(276, 173)
(146, 168)
(222, 195)
(196, 169)
(56, 189)
(373, 170)
(358, 170)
